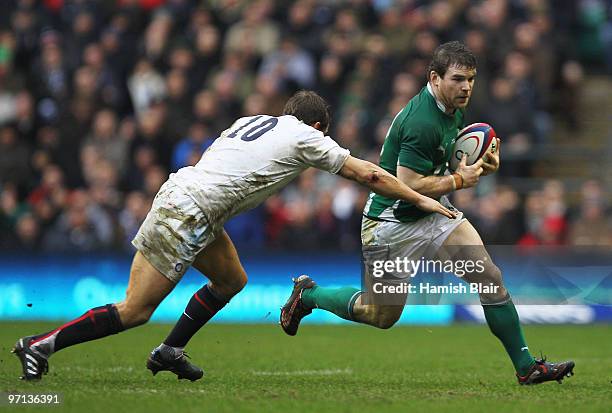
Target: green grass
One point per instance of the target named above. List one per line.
(323, 369)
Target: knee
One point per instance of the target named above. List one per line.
(496, 293)
(138, 318)
(386, 321)
(134, 315)
(384, 317)
(494, 275)
(231, 286)
(239, 283)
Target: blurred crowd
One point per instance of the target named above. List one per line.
(101, 100)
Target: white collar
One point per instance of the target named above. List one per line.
(438, 103)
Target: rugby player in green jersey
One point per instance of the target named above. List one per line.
(417, 149)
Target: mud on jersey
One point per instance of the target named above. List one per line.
(420, 138)
(252, 159)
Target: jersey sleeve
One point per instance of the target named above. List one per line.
(321, 152)
(417, 149)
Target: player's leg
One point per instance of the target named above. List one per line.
(349, 303)
(146, 289)
(377, 315)
(306, 296)
(464, 243)
(220, 263)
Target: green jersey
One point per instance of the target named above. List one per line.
(421, 138)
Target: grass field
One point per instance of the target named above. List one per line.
(324, 369)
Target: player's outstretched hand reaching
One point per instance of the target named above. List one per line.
(385, 184)
(431, 205)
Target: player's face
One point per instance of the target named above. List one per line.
(455, 88)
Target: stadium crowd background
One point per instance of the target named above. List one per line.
(101, 100)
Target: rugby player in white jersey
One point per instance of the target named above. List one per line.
(254, 158)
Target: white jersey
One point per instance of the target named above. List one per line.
(256, 157)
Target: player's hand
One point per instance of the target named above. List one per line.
(491, 161)
(428, 204)
(470, 174)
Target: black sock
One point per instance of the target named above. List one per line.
(201, 308)
(96, 323)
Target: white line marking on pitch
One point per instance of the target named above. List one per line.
(325, 372)
(81, 369)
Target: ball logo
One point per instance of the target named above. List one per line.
(459, 152)
(178, 267)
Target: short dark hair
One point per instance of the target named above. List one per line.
(308, 107)
(451, 54)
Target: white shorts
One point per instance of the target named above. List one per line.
(173, 233)
(386, 240)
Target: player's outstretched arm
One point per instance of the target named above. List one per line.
(385, 184)
(435, 186)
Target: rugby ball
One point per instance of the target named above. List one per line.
(474, 140)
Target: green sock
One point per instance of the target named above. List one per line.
(504, 323)
(336, 300)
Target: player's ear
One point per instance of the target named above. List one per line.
(434, 78)
(317, 126)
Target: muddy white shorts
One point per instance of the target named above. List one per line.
(388, 241)
(174, 232)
